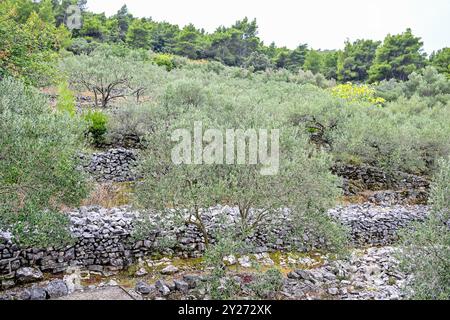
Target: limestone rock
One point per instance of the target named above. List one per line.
(169, 270)
(245, 262)
(28, 274)
(181, 285)
(143, 288)
(57, 289)
(38, 294)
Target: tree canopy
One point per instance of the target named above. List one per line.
(398, 57)
(32, 32)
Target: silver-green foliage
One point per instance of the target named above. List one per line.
(184, 93)
(37, 165)
(131, 123)
(426, 247)
(268, 284)
(221, 285)
(427, 84)
(405, 135)
(108, 76)
(304, 183)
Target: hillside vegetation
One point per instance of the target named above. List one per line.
(122, 80)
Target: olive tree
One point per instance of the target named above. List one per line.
(300, 183)
(178, 191)
(106, 76)
(426, 247)
(37, 166)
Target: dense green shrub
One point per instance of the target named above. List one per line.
(122, 51)
(143, 228)
(268, 284)
(206, 66)
(389, 90)
(41, 229)
(300, 77)
(184, 93)
(220, 285)
(426, 247)
(29, 44)
(428, 84)
(164, 60)
(258, 62)
(38, 173)
(97, 125)
(400, 137)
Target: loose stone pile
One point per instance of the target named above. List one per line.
(367, 275)
(114, 165)
(49, 290)
(118, 165)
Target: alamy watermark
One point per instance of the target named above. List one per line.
(73, 18)
(230, 146)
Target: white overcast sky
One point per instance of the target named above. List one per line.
(323, 24)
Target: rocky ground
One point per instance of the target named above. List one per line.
(367, 274)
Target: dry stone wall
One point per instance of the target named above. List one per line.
(119, 165)
(116, 165)
(408, 187)
(104, 238)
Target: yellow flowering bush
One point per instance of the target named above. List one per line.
(357, 93)
(164, 60)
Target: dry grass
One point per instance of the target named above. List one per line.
(356, 199)
(110, 195)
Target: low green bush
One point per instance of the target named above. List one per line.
(221, 286)
(41, 229)
(428, 85)
(164, 60)
(268, 284)
(97, 125)
(184, 94)
(258, 62)
(82, 46)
